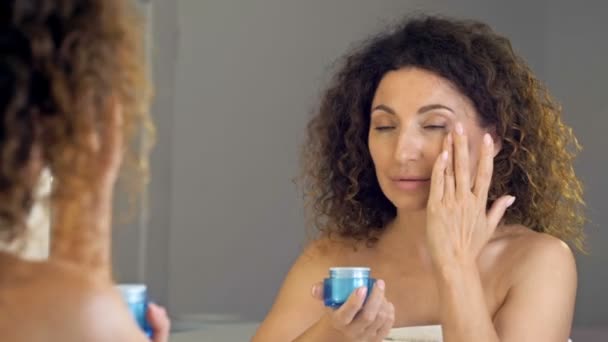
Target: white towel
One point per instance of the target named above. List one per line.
(426, 333)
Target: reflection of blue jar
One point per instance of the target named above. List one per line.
(342, 282)
(136, 297)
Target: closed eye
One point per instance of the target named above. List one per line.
(384, 128)
(434, 127)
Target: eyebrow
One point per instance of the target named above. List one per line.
(421, 110)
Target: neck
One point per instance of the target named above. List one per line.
(81, 230)
(409, 226)
(406, 235)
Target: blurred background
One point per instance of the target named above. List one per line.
(236, 82)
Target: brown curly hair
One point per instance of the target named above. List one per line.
(536, 161)
(60, 62)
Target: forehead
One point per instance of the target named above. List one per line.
(408, 89)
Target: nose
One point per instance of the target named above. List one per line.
(409, 146)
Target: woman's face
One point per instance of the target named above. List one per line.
(412, 112)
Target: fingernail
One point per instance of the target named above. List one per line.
(510, 201)
(361, 292)
(444, 155)
(459, 128)
(381, 284)
(487, 139)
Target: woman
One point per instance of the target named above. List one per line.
(73, 92)
(441, 162)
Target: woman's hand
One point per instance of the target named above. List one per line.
(458, 225)
(360, 320)
(159, 322)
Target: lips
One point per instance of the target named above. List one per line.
(409, 177)
(411, 183)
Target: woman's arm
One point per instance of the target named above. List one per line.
(300, 316)
(539, 306)
(540, 302)
(295, 310)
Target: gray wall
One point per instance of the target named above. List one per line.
(236, 82)
(140, 243)
(576, 52)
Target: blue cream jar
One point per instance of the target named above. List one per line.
(136, 297)
(342, 282)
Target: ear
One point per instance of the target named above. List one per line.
(497, 141)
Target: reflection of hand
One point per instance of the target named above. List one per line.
(458, 226)
(360, 320)
(159, 322)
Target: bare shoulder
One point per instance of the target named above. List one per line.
(542, 286)
(331, 250)
(313, 263)
(295, 309)
(57, 301)
(528, 250)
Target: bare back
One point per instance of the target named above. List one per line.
(50, 301)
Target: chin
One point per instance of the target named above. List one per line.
(409, 203)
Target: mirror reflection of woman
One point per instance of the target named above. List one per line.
(439, 160)
(73, 94)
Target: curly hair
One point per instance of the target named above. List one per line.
(535, 165)
(60, 62)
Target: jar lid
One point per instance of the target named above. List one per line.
(132, 292)
(349, 272)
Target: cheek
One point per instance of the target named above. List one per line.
(379, 152)
(433, 147)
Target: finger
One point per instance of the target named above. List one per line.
(498, 210)
(159, 322)
(437, 177)
(346, 313)
(461, 163)
(317, 291)
(388, 323)
(449, 184)
(366, 317)
(484, 170)
(381, 318)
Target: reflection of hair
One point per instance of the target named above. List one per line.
(60, 63)
(536, 161)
